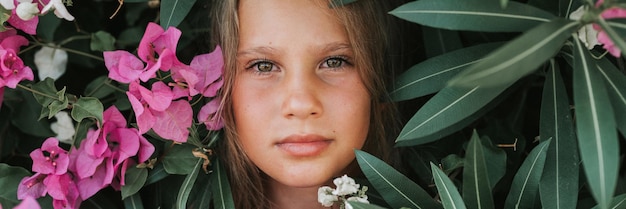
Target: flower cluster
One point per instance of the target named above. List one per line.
(347, 190)
(24, 13)
(592, 34)
(100, 161)
(165, 106)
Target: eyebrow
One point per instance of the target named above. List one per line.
(330, 47)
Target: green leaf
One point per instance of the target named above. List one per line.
(525, 186)
(156, 174)
(81, 131)
(174, 11)
(179, 159)
(222, 196)
(616, 36)
(135, 180)
(134, 202)
(431, 75)
(595, 125)
(360, 205)
(47, 26)
(448, 111)
(448, 193)
(397, 190)
(472, 15)
(201, 194)
(10, 177)
(518, 57)
(185, 188)
(451, 163)
(559, 181)
(25, 113)
(87, 107)
(45, 92)
(616, 84)
(102, 41)
(476, 182)
(99, 88)
(619, 202)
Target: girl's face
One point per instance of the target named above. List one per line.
(299, 103)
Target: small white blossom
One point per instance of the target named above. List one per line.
(50, 62)
(26, 10)
(63, 127)
(345, 186)
(8, 4)
(586, 34)
(362, 199)
(59, 9)
(325, 196)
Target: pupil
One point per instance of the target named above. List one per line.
(265, 67)
(333, 63)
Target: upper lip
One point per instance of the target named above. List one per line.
(302, 138)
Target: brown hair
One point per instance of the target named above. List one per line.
(365, 24)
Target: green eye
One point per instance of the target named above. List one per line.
(334, 62)
(264, 66)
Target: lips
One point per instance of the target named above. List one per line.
(303, 145)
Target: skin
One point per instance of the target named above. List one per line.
(295, 83)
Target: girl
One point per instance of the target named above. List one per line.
(304, 87)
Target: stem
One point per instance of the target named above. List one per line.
(37, 92)
(74, 38)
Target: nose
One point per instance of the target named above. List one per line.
(302, 96)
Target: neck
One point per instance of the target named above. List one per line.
(283, 196)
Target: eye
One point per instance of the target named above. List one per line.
(335, 62)
(264, 66)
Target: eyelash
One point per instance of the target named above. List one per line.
(255, 63)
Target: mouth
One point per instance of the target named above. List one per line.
(303, 145)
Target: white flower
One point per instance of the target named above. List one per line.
(59, 10)
(63, 127)
(362, 199)
(8, 4)
(325, 196)
(586, 34)
(50, 62)
(26, 10)
(345, 186)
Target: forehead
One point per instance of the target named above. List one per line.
(289, 23)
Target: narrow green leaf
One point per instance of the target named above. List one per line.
(174, 11)
(133, 202)
(87, 107)
(450, 197)
(156, 174)
(10, 177)
(472, 15)
(451, 163)
(448, 111)
(525, 186)
(616, 84)
(360, 205)
(222, 195)
(187, 185)
(559, 182)
(476, 182)
(518, 57)
(595, 125)
(135, 179)
(179, 159)
(619, 202)
(397, 190)
(431, 75)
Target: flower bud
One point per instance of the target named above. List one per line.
(26, 11)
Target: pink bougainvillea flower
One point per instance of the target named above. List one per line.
(209, 68)
(28, 26)
(102, 176)
(84, 164)
(609, 13)
(124, 67)
(185, 78)
(209, 115)
(174, 122)
(32, 187)
(12, 68)
(28, 203)
(63, 191)
(59, 10)
(145, 102)
(157, 41)
(50, 158)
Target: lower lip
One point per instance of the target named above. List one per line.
(303, 149)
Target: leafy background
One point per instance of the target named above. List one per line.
(499, 111)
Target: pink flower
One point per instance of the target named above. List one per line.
(32, 187)
(174, 122)
(157, 41)
(185, 78)
(610, 13)
(63, 191)
(209, 116)
(50, 158)
(209, 68)
(145, 102)
(124, 67)
(12, 68)
(28, 26)
(28, 203)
